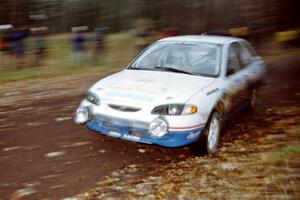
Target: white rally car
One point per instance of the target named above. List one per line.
(178, 91)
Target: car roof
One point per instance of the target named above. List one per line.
(201, 38)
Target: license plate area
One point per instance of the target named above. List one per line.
(114, 134)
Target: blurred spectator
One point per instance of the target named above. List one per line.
(3, 50)
(78, 47)
(15, 39)
(40, 44)
(99, 42)
(4, 44)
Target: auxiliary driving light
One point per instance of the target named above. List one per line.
(158, 128)
(82, 115)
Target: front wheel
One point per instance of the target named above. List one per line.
(209, 139)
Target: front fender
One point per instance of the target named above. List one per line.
(208, 100)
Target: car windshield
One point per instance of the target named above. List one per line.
(191, 58)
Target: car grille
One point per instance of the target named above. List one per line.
(110, 126)
(121, 122)
(124, 108)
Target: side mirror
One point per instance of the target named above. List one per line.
(230, 71)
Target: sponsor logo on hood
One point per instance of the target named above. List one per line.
(129, 96)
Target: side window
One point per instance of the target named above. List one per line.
(238, 58)
(246, 55)
(233, 64)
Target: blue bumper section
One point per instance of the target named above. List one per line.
(172, 139)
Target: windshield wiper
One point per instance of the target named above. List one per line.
(135, 68)
(171, 69)
(139, 68)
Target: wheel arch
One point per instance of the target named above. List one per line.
(219, 106)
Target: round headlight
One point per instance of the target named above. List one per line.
(82, 115)
(158, 128)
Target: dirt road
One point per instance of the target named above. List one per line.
(44, 155)
(42, 147)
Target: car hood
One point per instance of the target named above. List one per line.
(149, 87)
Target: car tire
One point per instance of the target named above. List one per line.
(208, 142)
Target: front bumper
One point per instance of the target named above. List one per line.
(171, 139)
